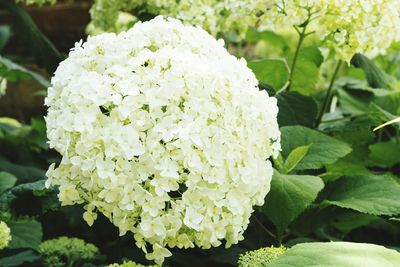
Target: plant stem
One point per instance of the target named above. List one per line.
(302, 36)
(264, 228)
(328, 94)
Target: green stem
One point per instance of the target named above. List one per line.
(328, 94)
(264, 228)
(302, 36)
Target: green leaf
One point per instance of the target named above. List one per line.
(384, 154)
(306, 73)
(351, 165)
(9, 124)
(372, 194)
(312, 54)
(7, 180)
(5, 34)
(354, 102)
(22, 172)
(323, 149)
(7, 198)
(253, 36)
(14, 72)
(25, 234)
(375, 76)
(296, 109)
(380, 115)
(353, 220)
(289, 196)
(273, 72)
(41, 48)
(19, 258)
(295, 157)
(337, 254)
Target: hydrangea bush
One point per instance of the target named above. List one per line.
(156, 132)
(329, 19)
(166, 134)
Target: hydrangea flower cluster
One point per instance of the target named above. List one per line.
(261, 257)
(130, 264)
(348, 27)
(37, 2)
(64, 250)
(215, 16)
(165, 133)
(5, 235)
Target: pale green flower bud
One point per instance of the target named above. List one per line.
(261, 257)
(5, 235)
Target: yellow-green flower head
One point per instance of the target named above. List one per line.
(5, 235)
(165, 133)
(261, 257)
(124, 22)
(215, 16)
(36, 2)
(3, 86)
(346, 26)
(130, 264)
(56, 252)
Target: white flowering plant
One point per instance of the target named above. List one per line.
(201, 133)
(146, 140)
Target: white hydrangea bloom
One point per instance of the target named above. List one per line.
(348, 27)
(165, 133)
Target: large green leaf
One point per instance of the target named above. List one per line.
(23, 173)
(313, 54)
(384, 154)
(306, 72)
(19, 258)
(14, 72)
(296, 109)
(338, 254)
(289, 196)
(375, 76)
(7, 180)
(323, 149)
(25, 234)
(354, 102)
(253, 36)
(8, 197)
(273, 72)
(372, 194)
(358, 133)
(352, 164)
